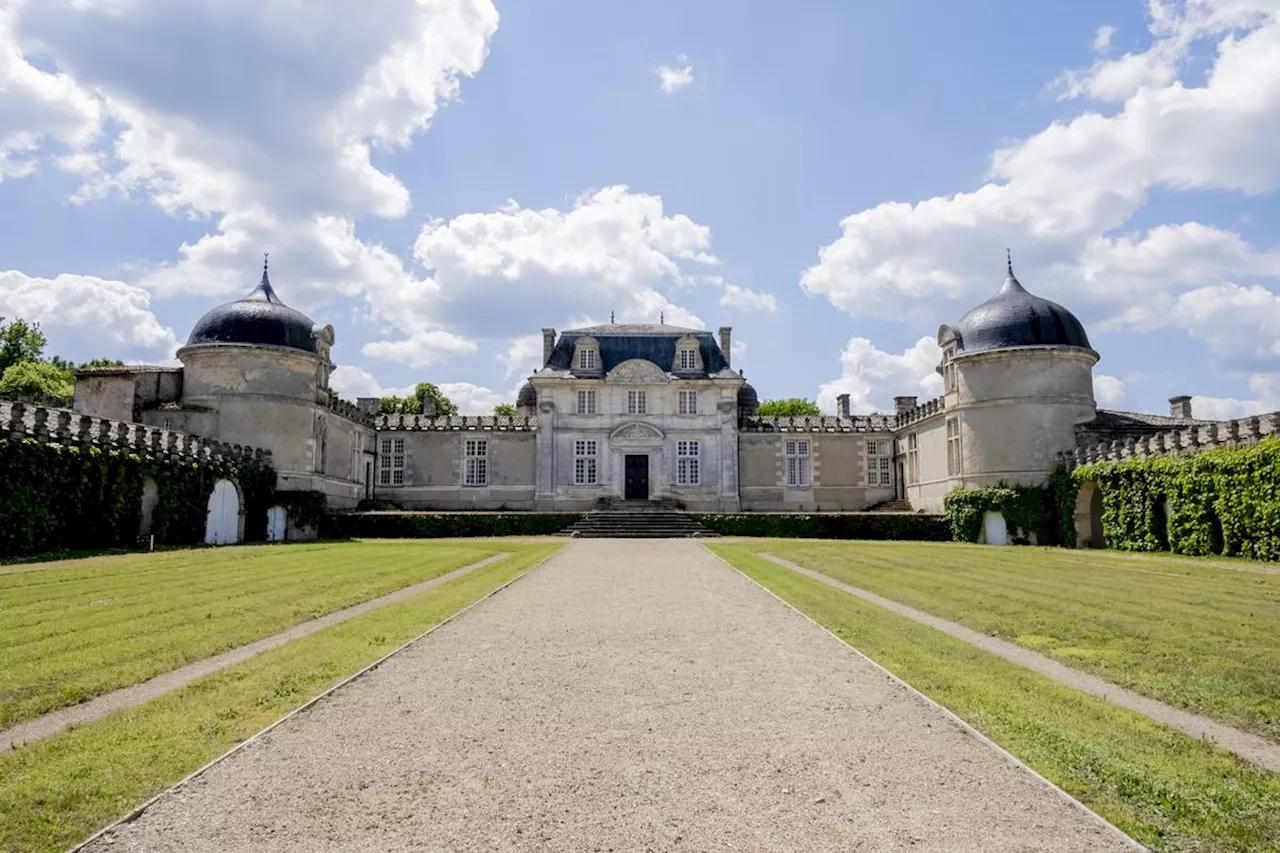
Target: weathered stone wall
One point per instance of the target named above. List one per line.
(1192, 439)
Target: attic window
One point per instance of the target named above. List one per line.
(688, 359)
(587, 359)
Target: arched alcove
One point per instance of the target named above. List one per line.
(277, 524)
(150, 498)
(1088, 517)
(223, 524)
(994, 529)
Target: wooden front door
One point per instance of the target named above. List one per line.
(637, 473)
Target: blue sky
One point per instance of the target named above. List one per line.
(440, 180)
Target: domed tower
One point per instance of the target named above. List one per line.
(527, 400)
(1018, 374)
(260, 370)
(748, 401)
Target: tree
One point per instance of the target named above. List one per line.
(792, 406)
(413, 405)
(507, 410)
(35, 381)
(20, 341)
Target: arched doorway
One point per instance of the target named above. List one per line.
(277, 524)
(222, 526)
(994, 529)
(150, 498)
(1088, 517)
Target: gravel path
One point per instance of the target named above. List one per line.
(127, 697)
(628, 695)
(1246, 745)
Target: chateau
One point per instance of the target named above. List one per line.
(635, 412)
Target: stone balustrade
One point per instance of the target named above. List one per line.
(350, 411)
(65, 427)
(816, 423)
(924, 410)
(473, 423)
(1177, 442)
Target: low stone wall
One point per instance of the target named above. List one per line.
(1176, 442)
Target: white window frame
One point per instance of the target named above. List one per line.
(688, 462)
(687, 401)
(586, 401)
(636, 403)
(913, 458)
(586, 465)
(955, 463)
(475, 469)
(587, 358)
(799, 463)
(948, 372)
(879, 462)
(688, 358)
(391, 462)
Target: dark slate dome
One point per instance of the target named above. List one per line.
(1016, 318)
(748, 400)
(527, 398)
(259, 319)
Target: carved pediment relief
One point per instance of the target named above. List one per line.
(637, 370)
(636, 432)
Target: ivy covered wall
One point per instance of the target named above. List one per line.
(57, 496)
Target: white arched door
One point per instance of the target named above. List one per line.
(223, 524)
(994, 529)
(277, 520)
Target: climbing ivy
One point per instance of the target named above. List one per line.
(306, 508)
(66, 497)
(1027, 511)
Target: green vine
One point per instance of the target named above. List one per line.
(83, 498)
(1027, 510)
(306, 508)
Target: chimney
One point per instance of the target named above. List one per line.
(368, 405)
(726, 344)
(1180, 406)
(903, 404)
(548, 344)
(429, 406)
(842, 405)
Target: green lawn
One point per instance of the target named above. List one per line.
(1169, 791)
(73, 630)
(55, 792)
(1198, 634)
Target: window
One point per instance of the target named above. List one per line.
(688, 359)
(586, 359)
(167, 423)
(948, 372)
(391, 462)
(879, 462)
(688, 402)
(913, 458)
(953, 447)
(687, 463)
(476, 471)
(586, 402)
(584, 463)
(635, 403)
(798, 471)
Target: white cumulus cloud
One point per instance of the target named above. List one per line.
(872, 377)
(672, 78)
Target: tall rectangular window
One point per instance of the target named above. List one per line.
(586, 402)
(688, 359)
(587, 359)
(954, 465)
(688, 402)
(584, 463)
(635, 403)
(913, 458)
(687, 463)
(798, 470)
(391, 462)
(879, 462)
(476, 462)
(949, 373)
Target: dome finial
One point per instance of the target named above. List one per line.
(1008, 257)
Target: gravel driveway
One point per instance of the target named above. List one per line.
(625, 696)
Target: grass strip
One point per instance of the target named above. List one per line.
(1195, 634)
(76, 631)
(58, 791)
(1166, 790)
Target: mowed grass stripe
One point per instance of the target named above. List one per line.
(215, 601)
(1200, 636)
(58, 791)
(1166, 790)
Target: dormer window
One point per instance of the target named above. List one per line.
(586, 356)
(587, 359)
(688, 358)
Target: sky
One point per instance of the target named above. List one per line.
(441, 179)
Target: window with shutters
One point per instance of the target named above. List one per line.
(798, 469)
(584, 463)
(687, 463)
(687, 402)
(954, 465)
(635, 403)
(913, 458)
(391, 462)
(587, 402)
(476, 462)
(879, 462)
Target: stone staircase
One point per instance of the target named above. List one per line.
(891, 506)
(637, 520)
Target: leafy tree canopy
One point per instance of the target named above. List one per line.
(505, 410)
(792, 406)
(20, 341)
(413, 405)
(35, 381)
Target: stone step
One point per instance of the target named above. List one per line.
(649, 523)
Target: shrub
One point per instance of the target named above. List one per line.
(1027, 510)
(855, 525)
(443, 525)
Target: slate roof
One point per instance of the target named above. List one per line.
(652, 342)
(1109, 419)
(1017, 318)
(260, 319)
